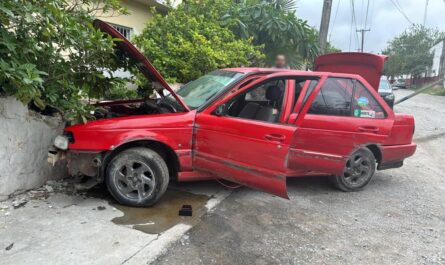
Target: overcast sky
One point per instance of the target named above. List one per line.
(384, 20)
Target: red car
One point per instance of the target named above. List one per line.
(252, 126)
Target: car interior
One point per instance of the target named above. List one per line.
(265, 101)
(262, 103)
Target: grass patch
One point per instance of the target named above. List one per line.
(435, 91)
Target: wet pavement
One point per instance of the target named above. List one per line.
(164, 214)
(91, 228)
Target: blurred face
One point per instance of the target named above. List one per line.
(280, 61)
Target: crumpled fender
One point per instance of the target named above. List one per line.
(173, 130)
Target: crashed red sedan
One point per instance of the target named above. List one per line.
(252, 126)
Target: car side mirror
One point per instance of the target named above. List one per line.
(220, 110)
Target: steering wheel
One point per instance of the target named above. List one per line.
(162, 105)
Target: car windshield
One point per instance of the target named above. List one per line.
(199, 91)
(384, 86)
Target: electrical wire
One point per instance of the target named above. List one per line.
(366, 17)
(399, 8)
(335, 18)
(336, 12)
(354, 21)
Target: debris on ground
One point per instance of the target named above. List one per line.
(185, 240)
(20, 199)
(18, 203)
(101, 208)
(9, 247)
(186, 210)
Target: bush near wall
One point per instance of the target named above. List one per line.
(51, 55)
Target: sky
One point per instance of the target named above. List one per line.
(384, 20)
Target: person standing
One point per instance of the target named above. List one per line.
(280, 62)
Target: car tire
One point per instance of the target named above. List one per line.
(137, 177)
(359, 170)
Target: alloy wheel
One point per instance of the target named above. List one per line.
(135, 180)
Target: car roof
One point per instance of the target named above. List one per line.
(260, 70)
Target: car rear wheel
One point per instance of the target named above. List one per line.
(359, 169)
(137, 177)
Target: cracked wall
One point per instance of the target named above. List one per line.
(25, 137)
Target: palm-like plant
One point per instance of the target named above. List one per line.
(274, 24)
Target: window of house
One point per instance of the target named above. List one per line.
(125, 31)
(365, 105)
(334, 98)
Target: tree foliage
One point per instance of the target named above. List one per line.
(50, 54)
(409, 53)
(274, 24)
(189, 41)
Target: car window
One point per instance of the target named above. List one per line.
(262, 102)
(365, 105)
(384, 86)
(309, 90)
(259, 93)
(334, 98)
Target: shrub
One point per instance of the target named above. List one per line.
(190, 41)
(50, 54)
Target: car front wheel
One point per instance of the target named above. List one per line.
(137, 177)
(359, 169)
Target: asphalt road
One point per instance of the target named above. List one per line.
(398, 219)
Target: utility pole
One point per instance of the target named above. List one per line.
(324, 25)
(426, 12)
(362, 31)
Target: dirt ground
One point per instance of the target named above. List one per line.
(398, 219)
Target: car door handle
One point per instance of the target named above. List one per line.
(371, 129)
(275, 137)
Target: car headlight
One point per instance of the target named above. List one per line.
(61, 142)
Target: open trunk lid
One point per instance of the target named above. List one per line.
(144, 64)
(369, 66)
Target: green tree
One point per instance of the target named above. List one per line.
(50, 54)
(409, 52)
(274, 24)
(189, 41)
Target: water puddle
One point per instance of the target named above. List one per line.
(164, 214)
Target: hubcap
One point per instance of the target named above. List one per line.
(135, 180)
(358, 170)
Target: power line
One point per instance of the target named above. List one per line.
(354, 20)
(335, 18)
(366, 17)
(336, 12)
(402, 12)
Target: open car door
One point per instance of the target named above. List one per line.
(248, 141)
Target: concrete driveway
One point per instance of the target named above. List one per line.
(398, 219)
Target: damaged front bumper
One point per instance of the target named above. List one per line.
(78, 163)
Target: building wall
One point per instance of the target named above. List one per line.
(438, 66)
(139, 14)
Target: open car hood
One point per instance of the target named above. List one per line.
(143, 64)
(369, 66)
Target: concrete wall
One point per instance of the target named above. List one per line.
(25, 137)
